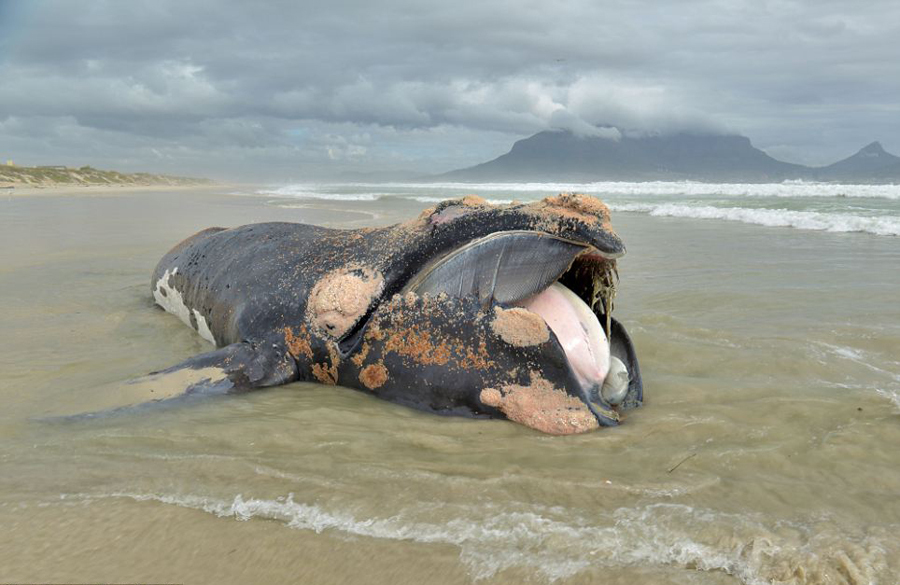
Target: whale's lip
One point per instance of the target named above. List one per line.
(576, 217)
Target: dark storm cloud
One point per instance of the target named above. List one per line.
(284, 88)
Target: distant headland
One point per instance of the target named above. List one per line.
(13, 176)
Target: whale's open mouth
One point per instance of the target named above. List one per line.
(570, 285)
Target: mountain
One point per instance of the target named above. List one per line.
(871, 164)
(564, 156)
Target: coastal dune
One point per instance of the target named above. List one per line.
(58, 178)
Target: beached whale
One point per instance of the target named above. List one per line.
(470, 309)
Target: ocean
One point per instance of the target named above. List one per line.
(766, 319)
(873, 209)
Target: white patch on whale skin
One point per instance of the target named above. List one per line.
(203, 327)
(172, 301)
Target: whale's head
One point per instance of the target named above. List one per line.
(496, 310)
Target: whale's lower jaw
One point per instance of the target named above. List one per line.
(568, 285)
(489, 329)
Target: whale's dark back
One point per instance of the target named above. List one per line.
(248, 280)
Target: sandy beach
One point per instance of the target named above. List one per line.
(765, 451)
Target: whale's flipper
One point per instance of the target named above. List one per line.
(237, 367)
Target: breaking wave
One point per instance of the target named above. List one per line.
(605, 188)
(308, 192)
(809, 220)
(669, 188)
(790, 204)
(558, 547)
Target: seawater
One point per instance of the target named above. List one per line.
(766, 451)
(832, 207)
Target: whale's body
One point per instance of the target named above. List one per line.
(432, 313)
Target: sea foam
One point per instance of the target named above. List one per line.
(311, 192)
(810, 220)
(667, 188)
(555, 543)
(797, 204)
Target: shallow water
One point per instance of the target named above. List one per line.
(766, 451)
(873, 209)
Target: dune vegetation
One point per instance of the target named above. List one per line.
(51, 176)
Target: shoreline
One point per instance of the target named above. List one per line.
(101, 190)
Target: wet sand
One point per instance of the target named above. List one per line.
(766, 451)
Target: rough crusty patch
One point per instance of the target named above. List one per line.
(361, 356)
(420, 345)
(581, 203)
(541, 406)
(298, 344)
(449, 214)
(373, 376)
(457, 208)
(519, 327)
(571, 206)
(341, 298)
(327, 373)
(474, 201)
(491, 397)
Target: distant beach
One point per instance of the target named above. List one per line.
(105, 190)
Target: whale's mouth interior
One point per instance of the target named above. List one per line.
(510, 266)
(571, 285)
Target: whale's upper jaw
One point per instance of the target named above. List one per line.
(569, 216)
(508, 267)
(563, 226)
(469, 232)
(567, 238)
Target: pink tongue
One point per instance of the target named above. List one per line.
(578, 330)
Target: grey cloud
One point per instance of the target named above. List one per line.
(324, 86)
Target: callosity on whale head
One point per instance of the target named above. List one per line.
(473, 309)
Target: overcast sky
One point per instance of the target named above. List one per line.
(292, 90)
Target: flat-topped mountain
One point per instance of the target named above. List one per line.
(564, 156)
